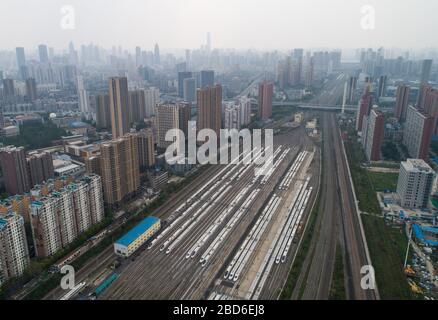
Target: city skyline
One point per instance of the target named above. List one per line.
(233, 24)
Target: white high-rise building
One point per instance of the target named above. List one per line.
(245, 110)
(63, 213)
(152, 97)
(14, 254)
(84, 102)
(415, 183)
(232, 116)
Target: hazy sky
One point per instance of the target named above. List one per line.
(259, 24)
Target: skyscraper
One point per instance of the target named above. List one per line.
(119, 168)
(152, 97)
(21, 57)
(232, 115)
(146, 148)
(181, 77)
(31, 89)
(266, 91)
(372, 135)
(426, 67)
(184, 115)
(418, 133)
(84, 103)
(8, 87)
(119, 106)
(14, 254)
(43, 53)
(59, 213)
(209, 103)
(103, 113)
(40, 167)
(363, 109)
(137, 105)
(382, 86)
(167, 118)
(424, 89)
(21, 62)
(138, 61)
(189, 89)
(13, 164)
(401, 102)
(207, 78)
(157, 54)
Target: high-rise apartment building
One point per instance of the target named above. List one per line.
(372, 134)
(209, 103)
(430, 103)
(245, 109)
(181, 77)
(103, 113)
(119, 168)
(119, 106)
(232, 116)
(14, 167)
(60, 213)
(137, 105)
(415, 182)
(31, 89)
(418, 133)
(382, 86)
(185, 113)
(363, 109)
(401, 102)
(84, 103)
(266, 91)
(40, 167)
(426, 67)
(152, 97)
(146, 148)
(14, 254)
(167, 117)
(423, 91)
(8, 88)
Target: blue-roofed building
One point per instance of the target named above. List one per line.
(137, 236)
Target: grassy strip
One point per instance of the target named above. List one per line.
(337, 289)
(382, 181)
(295, 271)
(386, 244)
(387, 248)
(366, 195)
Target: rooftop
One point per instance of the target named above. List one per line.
(137, 231)
(417, 165)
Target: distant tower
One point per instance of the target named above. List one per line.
(157, 54)
(208, 41)
(43, 53)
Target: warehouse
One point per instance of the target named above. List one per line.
(137, 236)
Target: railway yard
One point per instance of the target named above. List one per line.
(233, 236)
